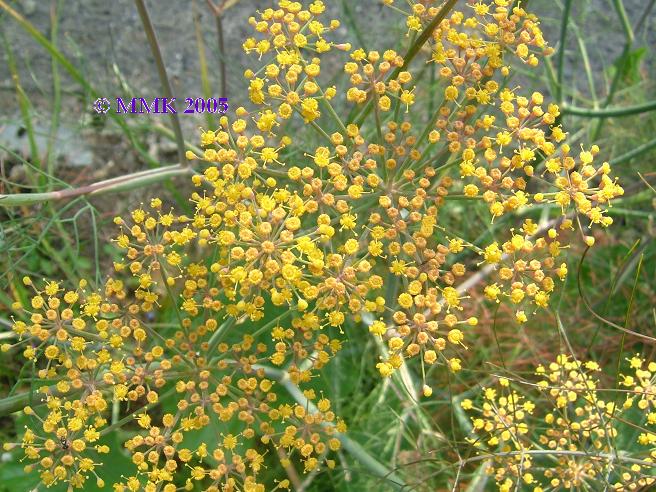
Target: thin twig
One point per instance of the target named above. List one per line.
(218, 17)
(120, 183)
(646, 338)
(412, 52)
(289, 468)
(163, 77)
(561, 51)
(557, 452)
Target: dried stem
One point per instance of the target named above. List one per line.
(218, 17)
(121, 183)
(163, 77)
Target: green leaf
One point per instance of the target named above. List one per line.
(630, 66)
(13, 477)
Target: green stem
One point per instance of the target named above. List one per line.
(561, 50)
(202, 60)
(222, 57)
(646, 147)
(222, 330)
(332, 112)
(218, 335)
(51, 155)
(163, 77)
(130, 417)
(64, 266)
(18, 402)
(620, 356)
(626, 24)
(56, 98)
(586, 63)
(412, 52)
(13, 403)
(609, 112)
(379, 124)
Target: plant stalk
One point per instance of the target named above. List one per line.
(412, 52)
(121, 183)
(163, 77)
(609, 112)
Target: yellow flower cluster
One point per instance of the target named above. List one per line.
(231, 461)
(374, 197)
(99, 352)
(572, 442)
(308, 237)
(67, 438)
